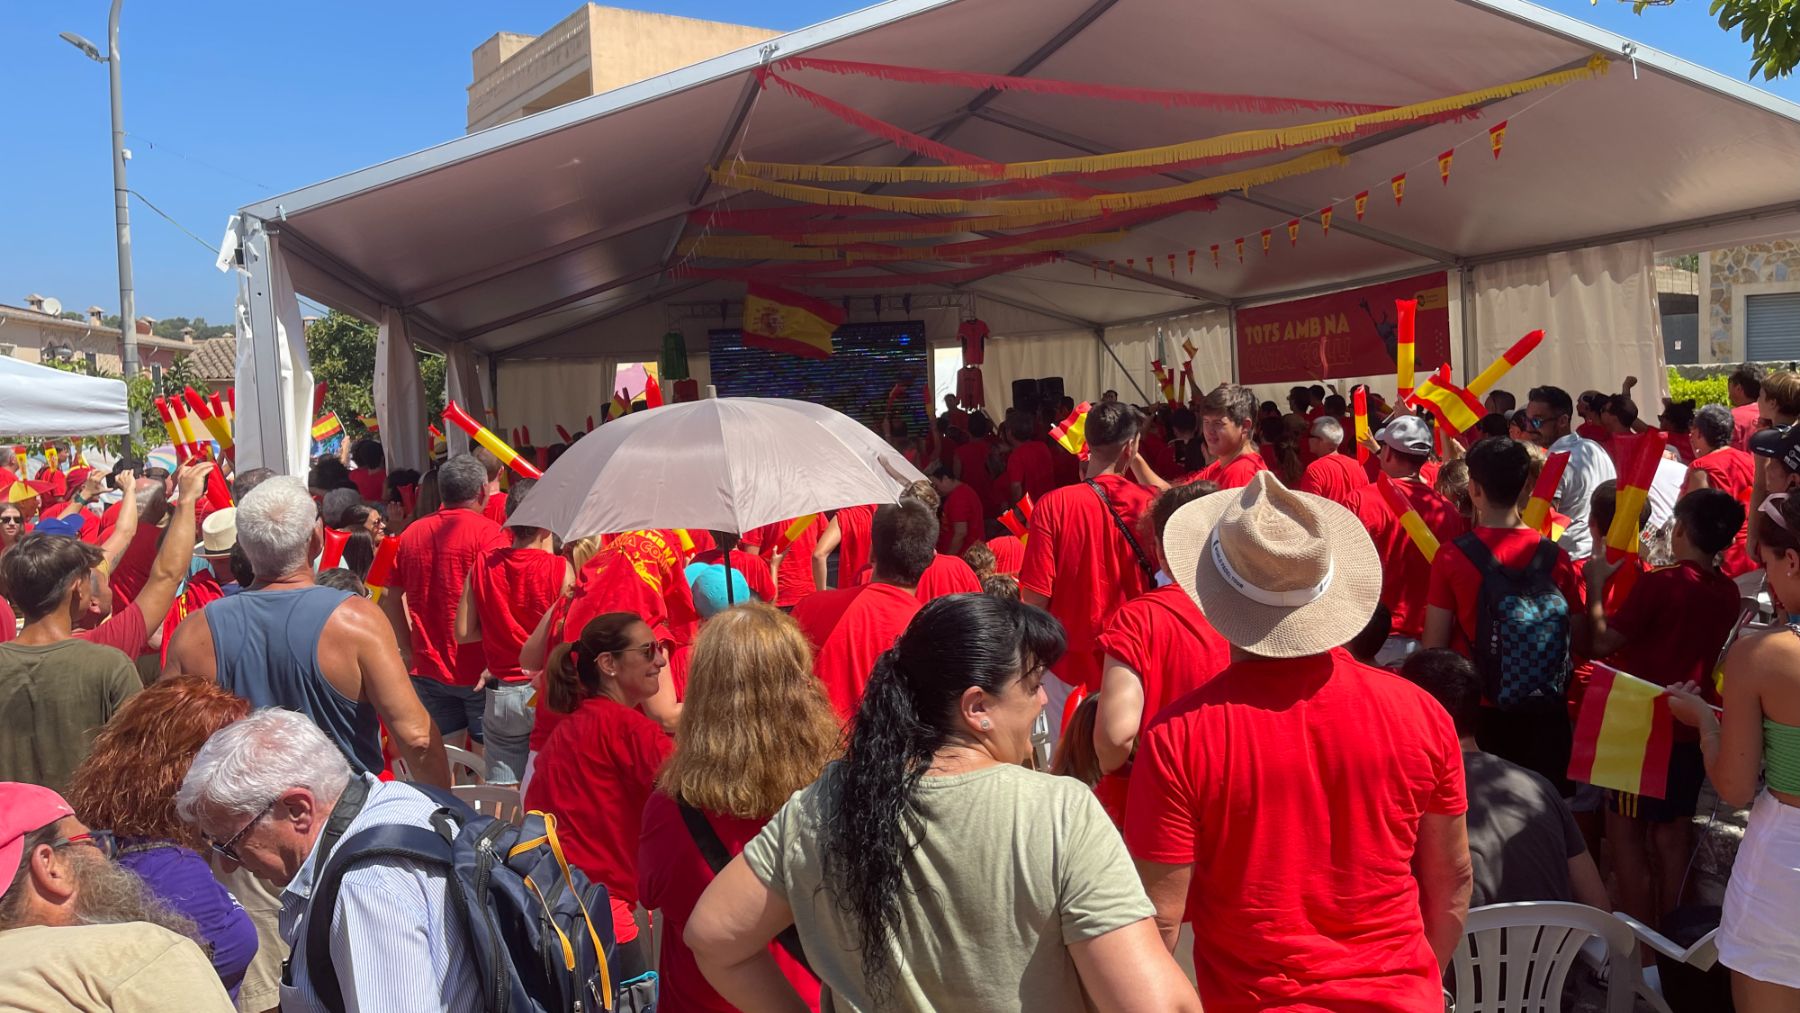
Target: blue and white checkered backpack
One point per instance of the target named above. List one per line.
(1521, 645)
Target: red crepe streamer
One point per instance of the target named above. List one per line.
(880, 128)
(1075, 89)
(948, 277)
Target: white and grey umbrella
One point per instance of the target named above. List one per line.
(722, 464)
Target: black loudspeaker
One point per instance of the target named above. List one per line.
(1050, 389)
(1025, 394)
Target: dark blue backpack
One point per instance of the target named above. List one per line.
(540, 933)
(1521, 645)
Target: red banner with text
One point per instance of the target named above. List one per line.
(1350, 333)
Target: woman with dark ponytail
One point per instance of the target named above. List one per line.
(929, 870)
(599, 766)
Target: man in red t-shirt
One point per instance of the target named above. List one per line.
(1499, 469)
(1303, 810)
(1406, 573)
(848, 536)
(1228, 422)
(792, 566)
(1670, 631)
(435, 557)
(969, 463)
(1079, 564)
(1335, 476)
(1029, 469)
(1718, 465)
(851, 627)
(1157, 647)
(961, 523)
(507, 592)
(1743, 387)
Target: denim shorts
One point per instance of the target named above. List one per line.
(506, 726)
(453, 708)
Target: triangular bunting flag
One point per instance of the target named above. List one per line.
(1172, 263)
(1497, 137)
(1325, 220)
(1215, 254)
(1239, 243)
(1399, 185)
(1191, 258)
(1266, 234)
(1362, 204)
(1444, 165)
(1293, 232)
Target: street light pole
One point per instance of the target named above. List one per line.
(122, 209)
(121, 195)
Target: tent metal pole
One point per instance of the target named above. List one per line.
(1100, 336)
(1231, 329)
(1465, 295)
(267, 395)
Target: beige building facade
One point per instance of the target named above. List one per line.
(593, 50)
(30, 333)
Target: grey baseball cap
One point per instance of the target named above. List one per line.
(1408, 434)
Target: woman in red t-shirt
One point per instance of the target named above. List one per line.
(755, 728)
(598, 768)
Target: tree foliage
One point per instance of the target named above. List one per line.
(342, 350)
(1772, 27)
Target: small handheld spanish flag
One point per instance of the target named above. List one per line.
(1456, 409)
(1623, 735)
(1638, 471)
(1071, 433)
(326, 427)
(1414, 525)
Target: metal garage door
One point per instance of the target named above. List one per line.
(1772, 327)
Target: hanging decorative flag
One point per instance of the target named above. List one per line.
(1444, 165)
(1497, 137)
(1191, 258)
(1130, 263)
(1150, 263)
(1414, 525)
(1239, 243)
(1359, 403)
(1536, 514)
(1071, 432)
(1266, 234)
(1110, 265)
(1325, 220)
(784, 321)
(1624, 734)
(1399, 185)
(1636, 473)
(1405, 310)
(1293, 232)
(1095, 264)
(1215, 254)
(1362, 204)
(1507, 360)
(1172, 264)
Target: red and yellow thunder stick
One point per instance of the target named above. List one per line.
(1456, 409)
(791, 533)
(456, 416)
(1508, 359)
(1633, 492)
(1416, 528)
(564, 434)
(221, 433)
(1017, 519)
(1359, 401)
(1405, 310)
(1537, 510)
(381, 571)
(176, 439)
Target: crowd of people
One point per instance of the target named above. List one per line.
(1250, 716)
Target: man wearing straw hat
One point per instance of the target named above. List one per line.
(1304, 809)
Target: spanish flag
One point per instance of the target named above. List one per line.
(784, 321)
(1537, 512)
(1623, 735)
(1415, 526)
(1635, 476)
(326, 427)
(1071, 432)
(1456, 409)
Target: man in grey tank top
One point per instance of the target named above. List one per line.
(286, 642)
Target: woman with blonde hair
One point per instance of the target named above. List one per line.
(756, 727)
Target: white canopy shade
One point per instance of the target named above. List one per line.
(39, 401)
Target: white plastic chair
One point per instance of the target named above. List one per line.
(473, 769)
(1701, 956)
(1514, 958)
(492, 800)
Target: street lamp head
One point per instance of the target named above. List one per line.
(92, 51)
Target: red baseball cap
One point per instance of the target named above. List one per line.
(24, 809)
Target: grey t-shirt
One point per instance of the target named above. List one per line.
(1521, 833)
(1013, 866)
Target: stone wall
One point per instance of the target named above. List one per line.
(1759, 262)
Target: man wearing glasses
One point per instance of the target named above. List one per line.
(1549, 412)
(73, 924)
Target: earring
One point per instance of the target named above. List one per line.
(986, 724)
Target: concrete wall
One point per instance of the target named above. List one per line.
(1726, 277)
(630, 46)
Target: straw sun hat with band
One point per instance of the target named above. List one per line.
(1278, 573)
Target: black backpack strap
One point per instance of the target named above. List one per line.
(713, 850)
(413, 843)
(1477, 552)
(1543, 561)
(1143, 560)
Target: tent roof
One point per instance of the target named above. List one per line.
(525, 238)
(39, 401)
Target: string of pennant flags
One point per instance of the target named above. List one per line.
(1359, 204)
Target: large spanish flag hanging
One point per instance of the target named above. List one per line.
(784, 321)
(1623, 735)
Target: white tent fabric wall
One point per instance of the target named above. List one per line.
(1598, 310)
(1072, 355)
(399, 394)
(462, 384)
(1136, 347)
(541, 394)
(273, 427)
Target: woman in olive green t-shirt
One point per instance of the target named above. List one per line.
(928, 870)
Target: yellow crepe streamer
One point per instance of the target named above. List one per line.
(758, 248)
(1225, 144)
(1073, 207)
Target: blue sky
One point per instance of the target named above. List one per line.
(228, 102)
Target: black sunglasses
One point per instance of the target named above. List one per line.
(229, 848)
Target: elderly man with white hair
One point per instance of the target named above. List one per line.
(1331, 474)
(287, 642)
(272, 795)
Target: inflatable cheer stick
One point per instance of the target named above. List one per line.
(381, 571)
(333, 554)
(456, 416)
(1497, 369)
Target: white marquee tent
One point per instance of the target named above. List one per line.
(537, 254)
(39, 401)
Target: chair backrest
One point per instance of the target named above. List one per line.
(1514, 957)
(468, 762)
(493, 801)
